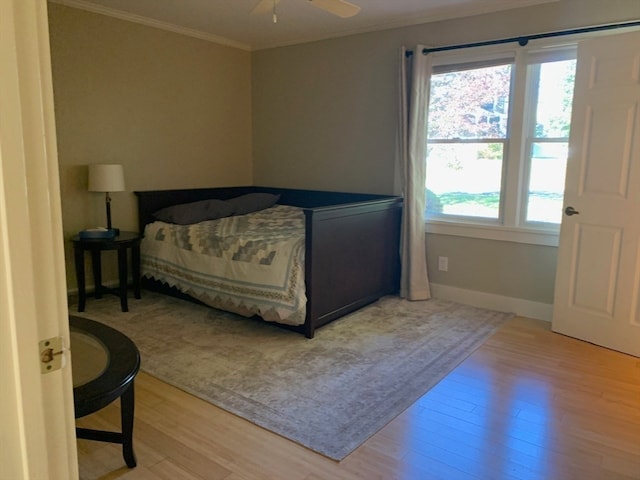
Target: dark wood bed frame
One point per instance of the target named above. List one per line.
(351, 245)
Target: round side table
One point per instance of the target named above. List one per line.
(104, 365)
(121, 243)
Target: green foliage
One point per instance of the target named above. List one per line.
(493, 151)
(486, 199)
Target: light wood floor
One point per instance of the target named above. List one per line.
(528, 404)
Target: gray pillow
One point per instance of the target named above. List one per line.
(252, 202)
(194, 212)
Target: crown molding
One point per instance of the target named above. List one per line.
(130, 17)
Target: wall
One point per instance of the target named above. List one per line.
(174, 110)
(325, 117)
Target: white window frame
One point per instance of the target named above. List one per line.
(512, 226)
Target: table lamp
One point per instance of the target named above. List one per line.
(106, 178)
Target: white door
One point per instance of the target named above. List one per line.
(37, 429)
(598, 274)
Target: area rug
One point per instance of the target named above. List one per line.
(330, 393)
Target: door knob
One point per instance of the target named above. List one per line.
(570, 211)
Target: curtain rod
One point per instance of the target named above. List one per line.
(523, 40)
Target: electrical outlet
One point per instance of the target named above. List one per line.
(443, 264)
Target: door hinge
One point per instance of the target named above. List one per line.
(51, 354)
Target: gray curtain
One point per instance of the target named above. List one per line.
(415, 72)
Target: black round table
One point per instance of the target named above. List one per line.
(122, 242)
(104, 365)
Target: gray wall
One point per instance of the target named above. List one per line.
(174, 110)
(324, 116)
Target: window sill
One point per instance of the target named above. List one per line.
(491, 232)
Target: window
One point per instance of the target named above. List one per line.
(467, 140)
(497, 142)
(547, 142)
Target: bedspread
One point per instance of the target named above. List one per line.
(248, 264)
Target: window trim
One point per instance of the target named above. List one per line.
(494, 232)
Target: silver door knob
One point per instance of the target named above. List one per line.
(570, 211)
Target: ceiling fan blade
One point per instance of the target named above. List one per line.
(264, 6)
(341, 8)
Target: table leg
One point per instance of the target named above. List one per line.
(96, 263)
(127, 401)
(122, 273)
(135, 267)
(79, 261)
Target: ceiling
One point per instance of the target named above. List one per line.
(230, 22)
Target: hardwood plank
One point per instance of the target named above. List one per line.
(167, 470)
(528, 404)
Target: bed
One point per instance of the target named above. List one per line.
(348, 246)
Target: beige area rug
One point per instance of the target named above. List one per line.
(330, 393)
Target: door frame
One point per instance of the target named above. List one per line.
(36, 410)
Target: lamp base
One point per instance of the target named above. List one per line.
(116, 231)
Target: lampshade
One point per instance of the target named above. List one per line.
(106, 178)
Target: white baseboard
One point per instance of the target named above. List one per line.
(519, 306)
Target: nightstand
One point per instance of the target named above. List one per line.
(122, 243)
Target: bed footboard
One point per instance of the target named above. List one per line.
(352, 258)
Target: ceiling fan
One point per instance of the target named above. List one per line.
(341, 8)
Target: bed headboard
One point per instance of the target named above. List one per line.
(151, 201)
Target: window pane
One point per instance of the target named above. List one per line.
(464, 179)
(470, 104)
(546, 182)
(555, 97)
(549, 159)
